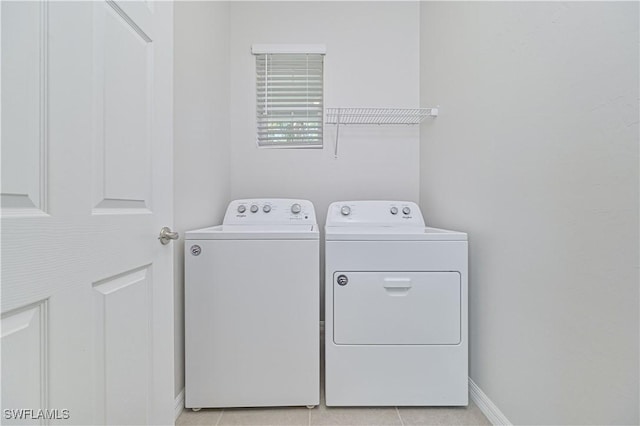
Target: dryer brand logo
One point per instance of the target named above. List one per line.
(196, 250)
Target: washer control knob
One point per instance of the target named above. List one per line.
(254, 208)
(242, 208)
(394, 210)
(295, 209)
(345, 210)
(406, 210)
(266, 208)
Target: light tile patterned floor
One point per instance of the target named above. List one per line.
(322, 415)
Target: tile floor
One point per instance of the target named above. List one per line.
(322, 415)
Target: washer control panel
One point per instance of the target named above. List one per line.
(256, 211)
(374, 213)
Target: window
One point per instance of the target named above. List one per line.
(289, 94)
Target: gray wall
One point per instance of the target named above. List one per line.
(535, 155)
(201, 134)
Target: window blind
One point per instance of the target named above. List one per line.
(289, 94)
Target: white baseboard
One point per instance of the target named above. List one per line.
(488, 408)
(179, 404)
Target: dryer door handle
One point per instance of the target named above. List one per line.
(397, 283)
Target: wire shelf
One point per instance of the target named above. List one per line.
(380, 116)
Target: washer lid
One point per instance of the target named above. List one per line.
(391, 233)
(255, 232)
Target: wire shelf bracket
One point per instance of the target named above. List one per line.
(375, 116)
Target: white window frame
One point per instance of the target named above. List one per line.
(268, 53)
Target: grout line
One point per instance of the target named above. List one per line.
(399, 416)
(220, 417)
(309, 423)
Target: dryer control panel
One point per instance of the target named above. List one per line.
(272, 211)
(374, 213)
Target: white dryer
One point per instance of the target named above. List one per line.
(252, 308)
(396, 308)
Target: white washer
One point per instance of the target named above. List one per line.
(396, 308)
(252, 308)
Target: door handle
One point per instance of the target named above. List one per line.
(166, 235)
(397, 283)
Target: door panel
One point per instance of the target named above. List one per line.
(24, 102)
(87, 294)
(397, 308)
(24, 344)
(124, 82)
(123, 346)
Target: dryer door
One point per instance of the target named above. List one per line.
(396, 308)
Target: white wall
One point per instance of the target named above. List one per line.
(372, 60)
(201, 133)
(535, 154)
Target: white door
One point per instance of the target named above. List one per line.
(87, 296)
